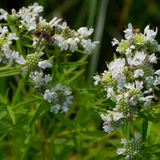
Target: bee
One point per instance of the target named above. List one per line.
(136, 30)
(64, 32)
(150, 64)
(42, 33)
(128, 116)
(37, 20)
(42, 89)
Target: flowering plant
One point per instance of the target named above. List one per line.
(130, 83)
(37, 109)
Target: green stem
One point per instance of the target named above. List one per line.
(144, 129)
(127, 129)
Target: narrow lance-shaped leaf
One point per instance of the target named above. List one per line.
(11, 113)
(36, 115)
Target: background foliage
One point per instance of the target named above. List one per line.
(78, 134)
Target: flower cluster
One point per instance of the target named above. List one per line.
(130, 81)
(131, 147)
(59, 97)
(27, 22)
(7, 53)
(51, 32)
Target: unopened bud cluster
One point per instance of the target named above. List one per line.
(131, 147)
(32, 61)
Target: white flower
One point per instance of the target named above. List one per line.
(88, 45)
(106, 118)
(148, 101)
(130, 86)
(128, 52)
(107, 128)
(157, 72)
(12, 36)
(48, 95)
(138, 72)
(4, 14)
(38, 77)
(44, 64)
(132, 47)
(61, 99)
(14, 55)
(110, 93)
(116, 67)
(137, 135)
(124, 140)
(117, 116)
(148, 91)
(58, 87)
(73, 45)
(31, 24)
(148, 79)
(157, 81)
(6, 50)
(137, 59)
(64, 25)
(114, 42)
(152, 58)
(118, 97)
(40, 53)
(150, 34)
(21, 60)
(128, 31)
(54, 22)
(55, 108)
(3, 30)
(85, 32)
(35, 8)
(64, 109)
(97, 79)
(77, 40)
(68, 99)
(47, 78)
(120, 150)
(139, 85)
(61, 43)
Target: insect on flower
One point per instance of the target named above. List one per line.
(42, 33)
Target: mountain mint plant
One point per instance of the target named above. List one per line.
(130, 82)
(26, 23)
(37, 53)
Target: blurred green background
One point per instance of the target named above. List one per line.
(108, 18)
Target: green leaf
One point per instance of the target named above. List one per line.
(64, 120)
(11, 113)
(35, 116)
(114, 56)
(9, 128)
(9, 73)
(58, 62)
(75, 66)
(27, 44)
(2, 114)
(18, 90)
(11, 25)
(75, 76)
(149, 118)
(144, 129)
(26, 102)
(18, 42)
